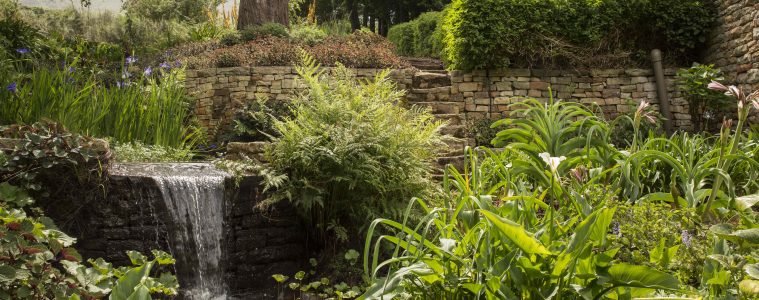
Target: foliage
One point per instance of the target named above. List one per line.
(254, 32)
(349, 152)
(421, 37)
(46, 149)
(151, 107)
(677, 229)
(482, 131)
(731, 270)
(358, 50)
(191, 11)
(402, 36)
(486, 243)
(227, 60)
(230, 39)
(39, 262)
(139, 152)
(498, 33)
(322, 288)
(255, 121)
(306, 34)
(703, 103)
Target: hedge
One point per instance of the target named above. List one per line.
(476, 34)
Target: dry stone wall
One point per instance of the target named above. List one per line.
(734, 42)
(455, 96)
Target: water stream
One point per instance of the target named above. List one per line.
(194, 197)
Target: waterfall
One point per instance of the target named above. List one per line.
(194, 197)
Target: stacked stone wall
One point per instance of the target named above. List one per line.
(455, 96)
(734, 42)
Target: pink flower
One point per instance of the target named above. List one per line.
(717, 86)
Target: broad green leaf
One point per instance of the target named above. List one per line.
(7, 273)
(128, 283)
(748, 235)
(752, 270)
(642, 277)
(517, 234)
(746, 202)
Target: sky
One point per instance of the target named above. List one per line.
(113, 5)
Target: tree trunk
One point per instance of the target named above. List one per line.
(372, 24)
(256, 12)
(355, 22)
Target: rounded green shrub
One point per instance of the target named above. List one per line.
(427, 36)
(227, 60)
(403, 37)
(230, 39)
(309, 35)
(266, 29)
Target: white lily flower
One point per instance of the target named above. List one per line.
(552, 162)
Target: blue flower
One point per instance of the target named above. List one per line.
(165, 66)
(177, 64)
(120, 84)
(13, 87)
(148, 71)
(72, 69)
(615, 229)
(130, 60)
(22, 50)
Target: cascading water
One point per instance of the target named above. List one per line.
(194, 196)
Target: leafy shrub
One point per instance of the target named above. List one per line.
(421, 37)
(358, 50)
(139, 152)
(703, 103)
(476, 247)
(309, 35)
(481, 131)
(349, 152)
(255, 121)
(497, 33)
(230, 39)
(631, 232)
(403, 37)
(227, 60)
(39, 262)
(46, 151)
(253, 32)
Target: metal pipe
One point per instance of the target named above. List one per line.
(661, 90)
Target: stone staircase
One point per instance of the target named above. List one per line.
(431, 87)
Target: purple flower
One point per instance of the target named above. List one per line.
(177, 64)
(148, 71)
(686, 238)
(22, 50)
(71, 69)
(165, 66)
(615, 229)
(120, 84)
(13, 87)
(130, 60)
(213, 146)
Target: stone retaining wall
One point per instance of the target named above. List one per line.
(455, 96)
(734, 42)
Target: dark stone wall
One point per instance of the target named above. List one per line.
(130, 215)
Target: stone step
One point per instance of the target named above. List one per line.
(425, 80)
(458, 131)
(425, 63)
(444, 108)
(452, 119)
(456, 161)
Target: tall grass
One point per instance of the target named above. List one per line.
(153, 110)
